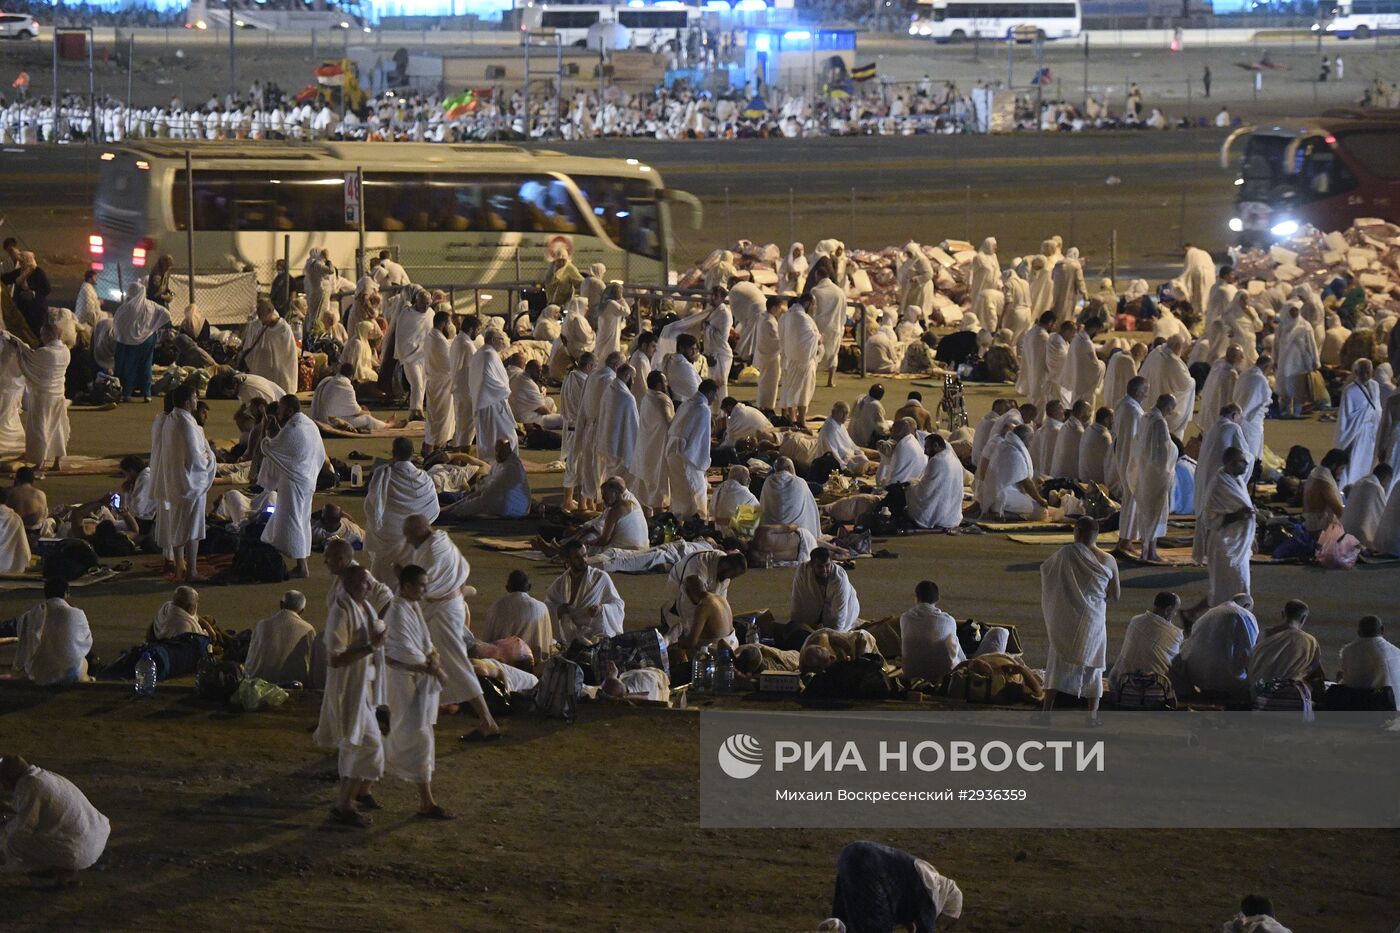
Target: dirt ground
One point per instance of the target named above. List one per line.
(221, 817)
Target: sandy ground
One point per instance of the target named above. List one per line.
(594, 826)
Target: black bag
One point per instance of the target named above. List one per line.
(536, 299)
(862, 678)
(538, 438)
(255, 561)
(497, 697)
(217, 678)
(1355, 699)
(629, 651)
(69, 560)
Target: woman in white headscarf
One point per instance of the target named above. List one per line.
(136, 325)
(591, 289)
(915, 278)
(576, 330)
(547, 324)
(721, 271)
(792, 271)
(984, 271)
(910, 328)
(1312, 310)
(194, 325)
(359, 352)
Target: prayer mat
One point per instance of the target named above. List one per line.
(1106, 539)
(504, 544)
(73, 466)
(1024, 526)
(1378, 560)
(25, 581)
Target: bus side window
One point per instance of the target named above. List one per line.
(1325, 175)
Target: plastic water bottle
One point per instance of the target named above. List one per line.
(146, 675)
(724, 669)
(699, 666)
(751, 636)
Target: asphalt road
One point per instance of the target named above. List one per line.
(870, 192)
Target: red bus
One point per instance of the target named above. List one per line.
(1325, 173)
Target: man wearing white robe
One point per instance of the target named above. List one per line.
(1008, 486)
(718, 324)
(54, 639)
(410, 329)
(1253, 395)
(828, 312)
(1197, 277)
(1286, 652)
(1371, 662)
(282, 644)
(617, 437)
(502, 493)
(1166, 374)
(291, 463)
(1056, 356)
(1067, 285)
(768, 353)
(612, 315)
(1225, 433)
(1366, 504)
(1120, 368)
(642, 366)
(445, 609)
(490, 392)
(572, 392)
(1358, 422)
(335, 398)
(586, 436)
(834, 439)
(936, 499)
(1128, 416)
(984, 271)
(583, 602)
(439, 398)
(352, 638)
(517, 614)
(1151, 479)
(396, 490)
(1096, 449)
(747, 302)
(730, 495)
(801, 351)
(528, 402)
(1076, 585)
(688, 454)
(1033, 350)
(1298, 358)
(54, 830)
(1083, 372)
(654, 416)
(682, 369)
(46, 426)
(1047, 437)
(1151, 642)
(928, 637)
(1215, 655)
(414, 681)
(1219, 389)
(745, 423)
(786, 500)
(1224, 539)
(14, 541)
(464, 347)
(182, 476)
(822, 596)
(1064, 459)
(905, 459)
(12, 388)
(868, 421)
(270, 347)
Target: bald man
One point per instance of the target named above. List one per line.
(54, 832)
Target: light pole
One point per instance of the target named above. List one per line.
(232, 56)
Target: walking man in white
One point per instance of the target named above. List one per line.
(1076, 585)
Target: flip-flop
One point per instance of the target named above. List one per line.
(482, 737)
(349, 818)
(436, 813)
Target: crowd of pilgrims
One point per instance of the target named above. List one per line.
(1130, 410)
(265, 112)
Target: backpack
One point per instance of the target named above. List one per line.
(1284, 696)
(217, 679)
(860, 678)
(561, 682)
(69, 560)
(991, 679)
(629, 651)
(255, 561)
(1358, 699)
(1145, 690)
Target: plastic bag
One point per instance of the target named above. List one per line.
(255, 693)
(1337, 550)
(745, 520)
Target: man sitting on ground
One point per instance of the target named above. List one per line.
(31, 502)
(180, 616)
(621, 525)
(787, 500)
(14, 540)
(1371, 662)
(1151, 643)
(713, 621)
(746, 423)
(330, 523)
(334, 403)
(822, 597)
(929, 637)
(1215, 653)
(521, 615)
(914, 409)
(502, 493)
(728, 496)
(583, 602)
(1286, 652)
(54, 639)
(280, 649)
(54, 831)
(833, 438)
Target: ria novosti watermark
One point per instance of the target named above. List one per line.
(1011, 769)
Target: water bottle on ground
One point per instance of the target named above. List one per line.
(146, 675)
(724, 669)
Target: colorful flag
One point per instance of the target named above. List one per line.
(330, 74)
(460, 105)
(863, 72)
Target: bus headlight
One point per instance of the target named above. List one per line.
(1284, 228)
(1236, 225)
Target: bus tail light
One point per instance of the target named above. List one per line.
(95, 244)
(141, 250)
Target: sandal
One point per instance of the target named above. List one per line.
(435, 813)
(482, 737)
(367, 802)
(349, 818)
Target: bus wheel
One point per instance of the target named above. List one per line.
(957, 36)
(1361, 32)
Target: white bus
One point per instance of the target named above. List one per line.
(278, 15)
(654, 24)
(1361, 19)
(457, 215)
(963, 20)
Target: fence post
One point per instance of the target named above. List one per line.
(967, 213)
(518, 279)
(1113, 256)
(1181, 224)
(189, 218)
(1073, 212)
(728, 230)
(792, 219)
(853, 217)
(860, 344)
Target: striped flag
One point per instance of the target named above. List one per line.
(863, 72)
